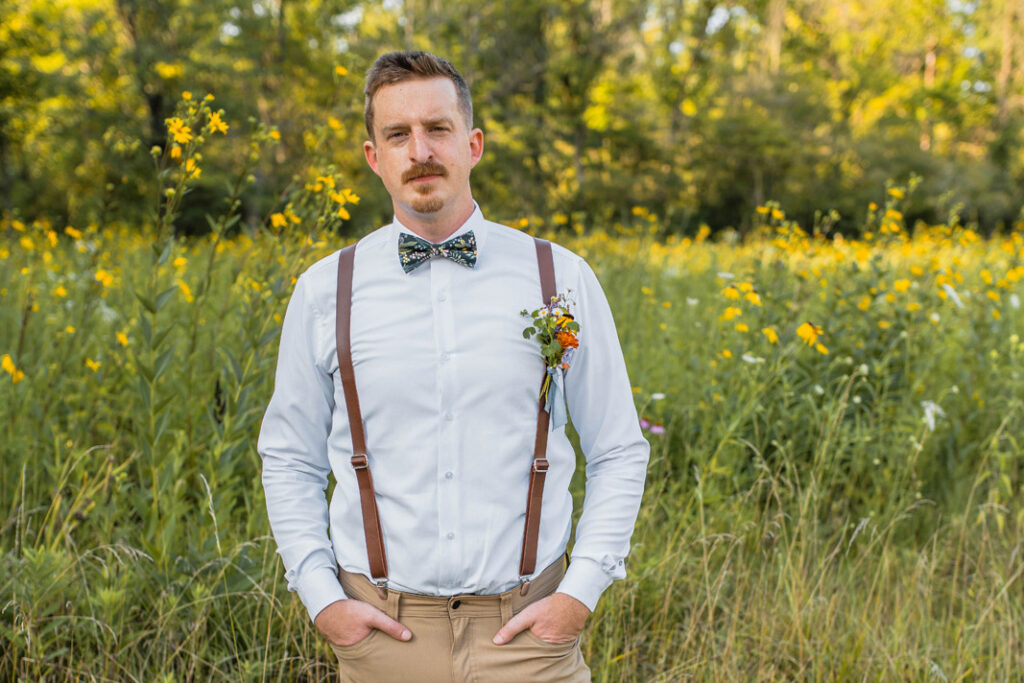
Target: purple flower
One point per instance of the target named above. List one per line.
(657, 429)
(644, 423)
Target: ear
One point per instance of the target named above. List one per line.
(371, 156)
(476, 146)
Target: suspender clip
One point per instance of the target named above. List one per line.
(540, 464)
(359, 461)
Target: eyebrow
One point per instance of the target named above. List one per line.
(428, 123)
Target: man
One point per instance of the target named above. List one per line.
(425, 574)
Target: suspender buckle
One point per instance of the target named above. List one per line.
(382, 588)
(540, 464)
(524, 585)
(359, 462)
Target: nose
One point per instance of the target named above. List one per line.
(419, 147)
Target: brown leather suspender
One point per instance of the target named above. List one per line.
(539, 468)
(371, 518)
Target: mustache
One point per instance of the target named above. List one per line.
(423, 169)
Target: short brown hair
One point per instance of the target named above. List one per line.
(395, 67)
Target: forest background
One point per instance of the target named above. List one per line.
(697, 110)
(806, 216)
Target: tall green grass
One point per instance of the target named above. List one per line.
(802, 518)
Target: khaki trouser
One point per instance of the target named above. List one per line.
(451, 639)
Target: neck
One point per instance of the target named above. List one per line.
(435, 227)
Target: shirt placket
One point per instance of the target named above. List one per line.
(448, 419)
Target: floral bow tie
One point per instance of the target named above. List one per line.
(414, 251)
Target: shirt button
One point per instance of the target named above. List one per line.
(442, 297)
(449, 417)
(451, 536)
(445, 357)
(449, 475)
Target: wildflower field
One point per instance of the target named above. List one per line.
(836, 427)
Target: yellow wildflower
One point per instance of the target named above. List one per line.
(104, 278)
(353, 198)
(277, 220)
(771, 334)
(731, 292)
(742, 327)
(763, 210)
(821, 348)
(179, 131)
(777, 214)
(60, 291)
(217, 124)
(901, 285)
(343, 213)
(884, 324)
(864, 302)
(122, 338)
(192, 170)
(186, 291)
(726, 353)
(754, 298)
(26, 243)
(646, 291)
(340, 70)
(333, 123)
(896, 192)
(93, 365)
(666, 304)
(187, 96)
(70, 329)
(72, 233)
(809, 332)
(992, 294)
(275, 135)
(731, 312)
(175, 152)
(179, 262)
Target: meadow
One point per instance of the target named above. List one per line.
(836, 429)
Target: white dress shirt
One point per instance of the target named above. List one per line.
(448, 388)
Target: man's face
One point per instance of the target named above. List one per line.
(422, 150)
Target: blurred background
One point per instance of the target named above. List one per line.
(697, 110)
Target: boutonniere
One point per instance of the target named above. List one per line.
(558, 334)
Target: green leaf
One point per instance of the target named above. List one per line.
(162, 297)
(146, 302)
(529, 332)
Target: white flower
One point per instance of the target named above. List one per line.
(726, 276)
(856, 399)
(818, 389)
(657, 396)
(690, 301)
(1015, 301)
(953, 295)
(751, 359)
(934, 317)
(863, 369)
(931, 409)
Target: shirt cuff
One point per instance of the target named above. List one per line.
(585, 580)
(318, 588)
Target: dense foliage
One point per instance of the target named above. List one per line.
(698, 110)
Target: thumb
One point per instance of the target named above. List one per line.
(516, 624)
(391, 627)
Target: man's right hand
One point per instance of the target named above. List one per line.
(346, 622)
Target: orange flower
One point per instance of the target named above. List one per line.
(567, 340)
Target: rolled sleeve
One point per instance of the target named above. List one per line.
(293, 447)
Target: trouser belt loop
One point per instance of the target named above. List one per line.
(506, 608)
(393, 600)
